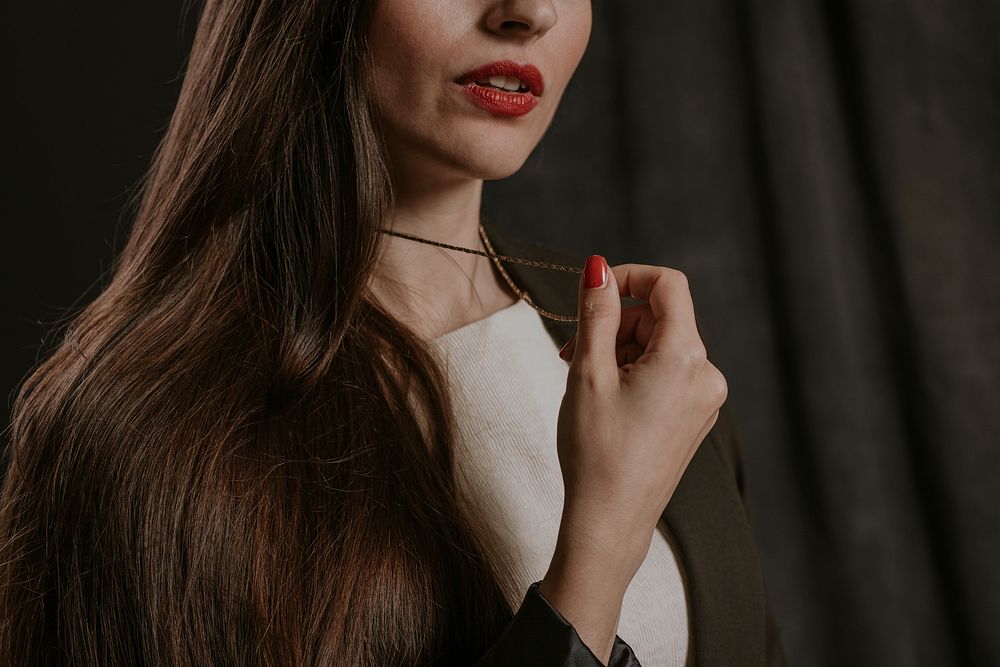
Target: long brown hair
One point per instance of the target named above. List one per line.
(233, 455)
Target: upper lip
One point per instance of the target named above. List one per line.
(527, 73)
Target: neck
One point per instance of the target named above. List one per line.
(435, 290)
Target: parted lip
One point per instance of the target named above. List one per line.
(527, 73)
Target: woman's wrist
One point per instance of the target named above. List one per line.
(610, 545)
(587, 579)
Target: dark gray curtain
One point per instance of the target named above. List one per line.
(828, 176)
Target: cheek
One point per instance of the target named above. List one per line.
(390, 39)
(405, 38)
(575, 39)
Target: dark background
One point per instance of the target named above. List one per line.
(826, 173)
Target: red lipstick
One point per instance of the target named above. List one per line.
(504, 102)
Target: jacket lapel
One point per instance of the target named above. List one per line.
(706, 514)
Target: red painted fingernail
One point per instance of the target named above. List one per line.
(595, 273)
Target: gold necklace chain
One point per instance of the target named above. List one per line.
(521, 294)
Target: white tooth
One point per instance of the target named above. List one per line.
(513, 83)
(498, 81)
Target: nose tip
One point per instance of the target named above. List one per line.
(522, 18)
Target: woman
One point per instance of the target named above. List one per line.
(244, 451)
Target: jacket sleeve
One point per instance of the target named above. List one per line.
(539, 636)
(775, 649)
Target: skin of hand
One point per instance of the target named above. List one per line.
(641, 396)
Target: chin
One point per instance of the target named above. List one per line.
(496, 169)
(490, 168)
(483, 153)
(488, 160)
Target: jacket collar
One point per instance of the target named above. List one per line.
(706, 515)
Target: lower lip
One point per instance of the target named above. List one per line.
(500, 102)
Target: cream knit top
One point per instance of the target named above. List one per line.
(507, 382)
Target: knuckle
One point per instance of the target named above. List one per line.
(717, 385)
(695, 355)
(586, 377)
(592, 310)
(676, 275)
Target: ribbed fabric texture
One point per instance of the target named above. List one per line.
(507, 382)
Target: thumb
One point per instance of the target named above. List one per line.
(599, 313)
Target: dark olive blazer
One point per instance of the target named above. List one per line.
(730, 618)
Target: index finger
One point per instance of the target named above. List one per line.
(669, 297)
